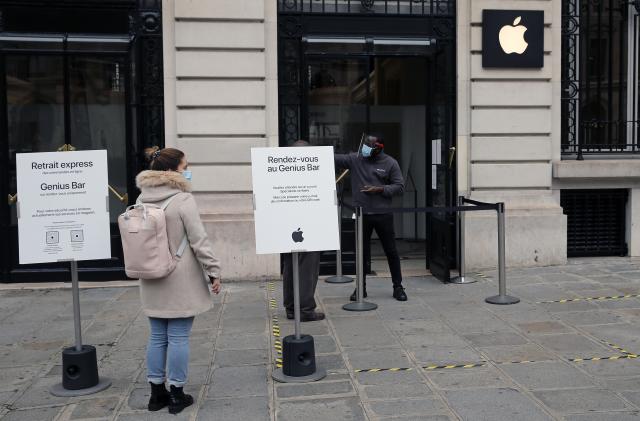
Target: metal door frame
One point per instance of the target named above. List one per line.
(144, 119)
(294, 24)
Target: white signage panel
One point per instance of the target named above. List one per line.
(63, 206)
(295, 199)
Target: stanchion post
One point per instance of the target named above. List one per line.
(502, 297)
(360, 304)
(461, 279)
(339, 278)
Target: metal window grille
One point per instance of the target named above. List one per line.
(600, 77)
(386, 7)
(596, 222)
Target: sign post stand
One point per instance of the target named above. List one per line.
(298, 351)
(295, 209)
(63, 216)
(79, 363)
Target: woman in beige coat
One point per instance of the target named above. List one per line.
(171, 303)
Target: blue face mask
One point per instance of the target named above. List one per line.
(187, 174)
(366, 151)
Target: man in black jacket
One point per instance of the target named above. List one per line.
(375, 179)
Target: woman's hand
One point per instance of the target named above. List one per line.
(216, 286)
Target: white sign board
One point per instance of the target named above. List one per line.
(63, 206)
(295, 199)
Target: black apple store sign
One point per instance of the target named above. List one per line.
(513, 38)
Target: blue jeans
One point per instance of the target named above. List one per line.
(168, 350)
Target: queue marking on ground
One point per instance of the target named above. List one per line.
(425, 367)
(275, 325)
(617, 348)
(606, 298)
(628, 356)
(613, 358)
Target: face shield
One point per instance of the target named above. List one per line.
(371, 146)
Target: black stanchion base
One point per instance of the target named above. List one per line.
(79, 373)
(363, 306)
(279, 376)
(502, 300)
(339, 280)
(298, 356)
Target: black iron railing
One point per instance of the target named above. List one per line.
(386, 7)
(600, 77)
(622, 138)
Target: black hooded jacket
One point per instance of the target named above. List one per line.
(381, 170)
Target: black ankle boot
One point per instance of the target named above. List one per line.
(159, 397)
(178, 400)
(399, 294)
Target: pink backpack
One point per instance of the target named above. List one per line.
(143, 230)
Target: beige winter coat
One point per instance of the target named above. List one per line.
(185, 292)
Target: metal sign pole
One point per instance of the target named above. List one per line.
(461, 280)
(502, 297)
(296, 293)
(360, 304)
(75, 290)
(339, 278)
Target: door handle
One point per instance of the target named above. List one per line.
(12, 199)
(452, 153)
(124, 198)
(67, 147)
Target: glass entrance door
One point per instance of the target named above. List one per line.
(348, 95)
(62, 102)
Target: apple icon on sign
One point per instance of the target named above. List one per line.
(511, 37)
(297, 236)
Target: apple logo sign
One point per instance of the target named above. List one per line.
(511, 37)
(297, 236)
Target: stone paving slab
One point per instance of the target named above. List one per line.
(504, 404)
(582, 400)
(232, 352)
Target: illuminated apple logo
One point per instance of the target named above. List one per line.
(511, 38)
(297, 236)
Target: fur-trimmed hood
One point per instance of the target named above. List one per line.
(171, 179)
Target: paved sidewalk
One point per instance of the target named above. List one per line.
(386, 364)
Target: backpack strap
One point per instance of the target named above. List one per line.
(183, 246)
(166, 202)
(185, 241)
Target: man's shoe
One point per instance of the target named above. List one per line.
(354, 296)
(159, 397)
(290, 316)
(312, 317)
(399, 294)
(178, 400)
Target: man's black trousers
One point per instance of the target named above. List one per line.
(383, 224)
(309, 269)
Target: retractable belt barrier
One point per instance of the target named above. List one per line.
(475, 206)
